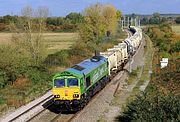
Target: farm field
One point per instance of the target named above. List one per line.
(53, 41)
(176, 28)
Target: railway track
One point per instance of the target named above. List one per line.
(28, 111)
(50, 103)
(58, 116)
(52, 115)
(45, 113)
(64, 117)
(67, 117)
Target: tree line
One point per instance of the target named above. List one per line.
(57, 24)
(156, 18)
(69, 23)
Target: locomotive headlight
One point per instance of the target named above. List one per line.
(57, 96)
(75, 95)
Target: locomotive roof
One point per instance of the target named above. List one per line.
(86, 66)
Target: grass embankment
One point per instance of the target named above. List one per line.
(161, 99)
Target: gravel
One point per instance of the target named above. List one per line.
(97, 106)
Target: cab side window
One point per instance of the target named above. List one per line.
(88, 81)
(82, 82)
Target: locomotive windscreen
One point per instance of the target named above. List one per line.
(59, 83)
(72, 82)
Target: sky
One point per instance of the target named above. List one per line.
(64, 7)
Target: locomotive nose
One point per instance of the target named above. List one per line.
(66, 93)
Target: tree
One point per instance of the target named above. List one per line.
(75, 18)
(28, 32)
(98, 20)
(178, 20)
(156, 15)
(175, 47)
(56, 21)
(8, 19)
(118, 14)
(110, 16)
(144, 21)
(92, 30)
(155, 18)
(12, 62)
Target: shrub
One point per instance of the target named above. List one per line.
(175, 47)
(58, 58)
(157, 108)
(2, 100)
(37, 75)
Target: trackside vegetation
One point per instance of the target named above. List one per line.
(161, 99)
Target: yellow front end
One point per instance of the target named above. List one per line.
(66, 93)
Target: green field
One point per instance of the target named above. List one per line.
(54, 41)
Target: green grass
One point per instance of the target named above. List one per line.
(132, 76)
(145, 74)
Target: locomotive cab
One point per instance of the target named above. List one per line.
(73, 88)
(66, 89)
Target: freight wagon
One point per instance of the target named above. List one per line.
(73, 88)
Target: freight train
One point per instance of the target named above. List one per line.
(74, 87)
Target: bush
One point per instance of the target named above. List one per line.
(12, 63)
(158, 108)
(2, 100)
(175, 47)
(37, 75)
(69, 57)
(3, 79)
(178, 20)
(58, 58)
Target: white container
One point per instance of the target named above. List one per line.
(112, 60)
(130, 44)
(119, 54)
